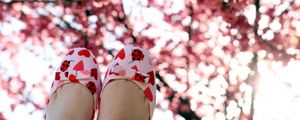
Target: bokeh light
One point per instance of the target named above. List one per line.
(215, 60)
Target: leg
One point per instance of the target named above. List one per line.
(123, 100)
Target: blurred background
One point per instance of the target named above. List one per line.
(215, 59)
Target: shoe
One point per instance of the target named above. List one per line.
(134, 63)
(79, 66)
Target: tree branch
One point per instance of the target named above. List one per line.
(190, 32)
(123, 20)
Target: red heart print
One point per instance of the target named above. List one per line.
(72, 78)
(151, 79)
(57, 76)
(71, 52)
(121, 54)
(148, 94)
(139, 77)
(79, 66)
(94, 73)
(84, 52)
(135, 68)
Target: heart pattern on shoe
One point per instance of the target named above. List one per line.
(79, 66)
(151, 79)
(94, 73)
(121, 54)
(71, 52)
(85, 53)
(148, 94)
(72, 78)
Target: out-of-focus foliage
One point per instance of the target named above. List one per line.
(212, 56)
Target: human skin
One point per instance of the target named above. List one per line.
(123, 100)
(120, 100)
(71, 101)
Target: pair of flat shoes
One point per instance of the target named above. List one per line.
(131, 63)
